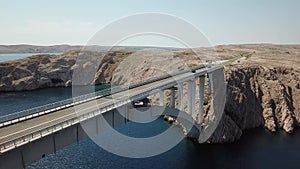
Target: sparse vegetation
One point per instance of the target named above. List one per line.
(246, 55)
(119, 56)
(205, 102)
(191, 65)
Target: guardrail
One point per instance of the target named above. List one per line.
(23, 139)
(48, 108)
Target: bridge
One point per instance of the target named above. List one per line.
(30, 135)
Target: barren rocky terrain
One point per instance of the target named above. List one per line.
(263, 87)
(263, 90)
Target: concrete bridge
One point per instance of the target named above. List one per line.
(28, 136)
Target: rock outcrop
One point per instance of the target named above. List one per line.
(35, 72)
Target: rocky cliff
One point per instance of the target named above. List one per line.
(263, 90)
(259, 96)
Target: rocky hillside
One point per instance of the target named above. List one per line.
(56, 71)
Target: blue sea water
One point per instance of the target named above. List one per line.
(257, 149)
(12, 102)
(14, 56)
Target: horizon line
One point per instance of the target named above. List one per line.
(134, 45)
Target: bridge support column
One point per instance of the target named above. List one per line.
(126, 113)
(210, 84)
(210, 81)
(162, 98)
(201, 98)
(180, 95)
(191, 97)
(172, 97)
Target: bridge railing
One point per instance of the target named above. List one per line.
(48, 108)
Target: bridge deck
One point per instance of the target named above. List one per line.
(28, 127)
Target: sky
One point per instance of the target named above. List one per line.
(41, 22)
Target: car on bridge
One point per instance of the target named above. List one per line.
(141, 103)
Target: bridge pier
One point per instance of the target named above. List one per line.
(172, 97)
(65, 137)
(106, 120)
(210, 80)
(123, 110)
(180, 96)
(210, 83)
(37, 149)
(87, 128)
(201, 98)
(13, 159)
(191, 97)
(161, 98)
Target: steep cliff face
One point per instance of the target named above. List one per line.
(259, 96)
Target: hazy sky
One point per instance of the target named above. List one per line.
(223, 22)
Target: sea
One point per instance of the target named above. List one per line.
(14, 56)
